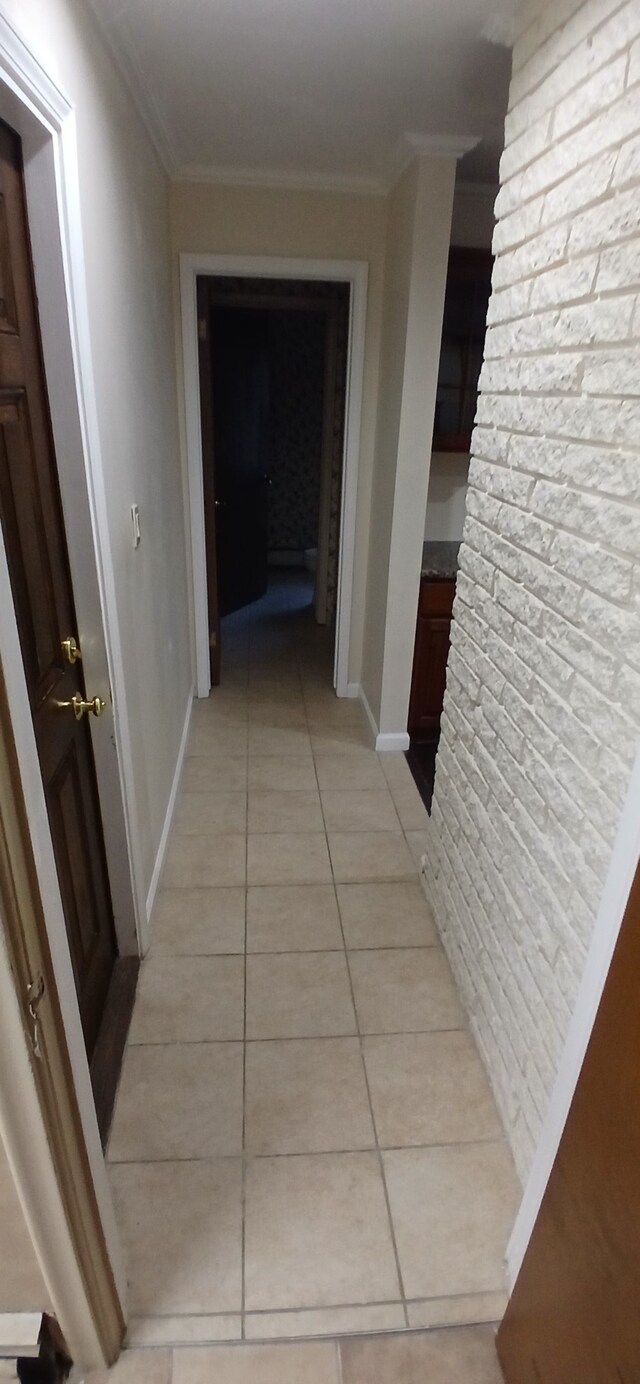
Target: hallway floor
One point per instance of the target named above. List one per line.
(463, 1355)
(304, 1141)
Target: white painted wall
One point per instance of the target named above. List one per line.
(290, 223)
(418, 237)
(447, 496)
(542, 709)
(126, 240)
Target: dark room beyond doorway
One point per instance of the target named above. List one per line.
(273, 373)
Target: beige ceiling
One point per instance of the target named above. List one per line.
(316, 91)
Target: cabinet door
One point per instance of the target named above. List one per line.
(429, 673)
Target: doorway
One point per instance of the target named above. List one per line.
(353, 273)
(35, 543)
(273, 361)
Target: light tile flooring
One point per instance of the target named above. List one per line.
(465, 1355)
(304, 1141)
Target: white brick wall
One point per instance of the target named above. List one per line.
(542, 710)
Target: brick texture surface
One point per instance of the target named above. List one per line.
(542, 708)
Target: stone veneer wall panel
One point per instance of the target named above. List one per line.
(542, 709)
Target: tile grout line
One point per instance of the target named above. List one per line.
(366, 1079)
(326, 1307)
(497, 1142)
(307, 1037)
(339, 1370)
(243, 1171)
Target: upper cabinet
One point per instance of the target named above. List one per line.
(463, 329)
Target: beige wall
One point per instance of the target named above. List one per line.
(210, 219)
(22, 1287)
(124, 207)
(415, 275)
(397, 289)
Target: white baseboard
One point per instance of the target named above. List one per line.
(373, 724)
(352, 690)
(396, 740)
(171, 806)
(19, 1334)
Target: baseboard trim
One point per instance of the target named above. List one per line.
(373, 724)
(394, 741)
(352, 690)
(20, 1334)
(171, 807)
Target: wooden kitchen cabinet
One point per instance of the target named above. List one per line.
(430, 656)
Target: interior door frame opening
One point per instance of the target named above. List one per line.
(355, 274)
(246, 308)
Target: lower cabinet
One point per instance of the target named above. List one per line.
(430, 656)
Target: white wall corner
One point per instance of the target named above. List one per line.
(119, 39)
(164, 838)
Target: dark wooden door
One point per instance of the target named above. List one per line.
(34, 537)
(205, 376)
(242, 451)
(433, 634)
(574, 1315)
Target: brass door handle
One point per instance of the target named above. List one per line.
(71, 650)
(96, 706)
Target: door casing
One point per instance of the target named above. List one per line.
(354, 273)
(32, 104)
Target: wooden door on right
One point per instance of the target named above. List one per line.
(574, 1315)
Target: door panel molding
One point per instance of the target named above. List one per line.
(353, 272)
(613, 903)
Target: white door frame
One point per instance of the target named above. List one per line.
(34, 105)
(353, 272)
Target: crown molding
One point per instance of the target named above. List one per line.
(418, 146)
(121, 44)
(499, 28)
(362, 184)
